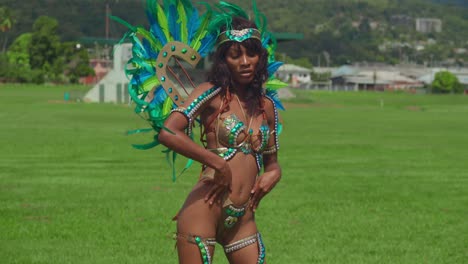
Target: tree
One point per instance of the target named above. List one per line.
(76, 60)
(18, 52)
(45, 47)
(446, 82)
(5, 19)
(6, 22)
(19, 69)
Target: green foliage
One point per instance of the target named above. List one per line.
(303, 62)
(45, 47)
(16, 61)
(40, 57)
(446, 82)
(4, 66)
(76, 61)
(18, 52)
(6, 19)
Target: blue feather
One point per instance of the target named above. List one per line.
(207, 44)
(142, 77)
(137, 49)
(265, 40)
(174, 27)
(151, 53)
(273, 67)
(274, 96)
(160, 95)
(155, 29)
(193, 25)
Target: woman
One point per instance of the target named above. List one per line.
(239, 128)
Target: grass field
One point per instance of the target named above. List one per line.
(367, 178)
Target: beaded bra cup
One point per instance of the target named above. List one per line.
(232, 135)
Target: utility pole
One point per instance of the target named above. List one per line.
(107, 20)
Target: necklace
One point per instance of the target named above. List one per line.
(245, 116)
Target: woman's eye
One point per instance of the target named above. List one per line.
(251, 54)
(235, 55)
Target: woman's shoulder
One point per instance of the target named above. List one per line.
(201, 94)
(268, 103)
(204, 87)
(269, 108)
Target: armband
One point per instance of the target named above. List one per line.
(183, 111)
(190, 111)
(277, 127)
(270, 150)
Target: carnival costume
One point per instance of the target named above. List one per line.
(177, 30)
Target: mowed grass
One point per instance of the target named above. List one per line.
(367, 178)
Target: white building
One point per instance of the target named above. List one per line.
(113, 88)
(428, 25)
(294, 74)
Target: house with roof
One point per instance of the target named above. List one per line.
(377, 79)
(293, 74)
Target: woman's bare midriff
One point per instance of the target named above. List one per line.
(244, 173)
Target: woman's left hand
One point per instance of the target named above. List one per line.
(265, 183)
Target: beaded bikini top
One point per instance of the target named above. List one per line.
(233, 135)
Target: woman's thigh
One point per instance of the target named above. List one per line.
(196, 227)
(247, 234)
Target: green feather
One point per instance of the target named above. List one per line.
(150, 83)
(275, 84)
(162, 21)
(183, 22)
(147, 35)
(202, 30)
(146, 146)
(234, 10)
(260, 19)
(123, 22)
(167, 106)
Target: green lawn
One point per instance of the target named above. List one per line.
(367, 178)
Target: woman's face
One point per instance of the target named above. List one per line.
(242, 64)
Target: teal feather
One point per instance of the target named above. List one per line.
(146, 146)
(233, 10)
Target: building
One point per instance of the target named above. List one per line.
(428, 25)
(294, 74)
(377, 79)
(113, 87)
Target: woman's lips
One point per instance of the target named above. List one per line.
(246, 74)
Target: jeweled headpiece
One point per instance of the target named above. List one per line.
(239, 35)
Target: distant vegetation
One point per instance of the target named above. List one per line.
(335, 31)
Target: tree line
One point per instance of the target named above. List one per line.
(335, 32)
(40, 56)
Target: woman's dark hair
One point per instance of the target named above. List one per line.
(220, 75)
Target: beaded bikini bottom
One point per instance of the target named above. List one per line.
(232, 212)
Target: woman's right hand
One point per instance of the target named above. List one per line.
(220, 184)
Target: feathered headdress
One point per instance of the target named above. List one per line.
(177, 25)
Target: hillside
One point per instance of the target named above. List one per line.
(346, 30)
